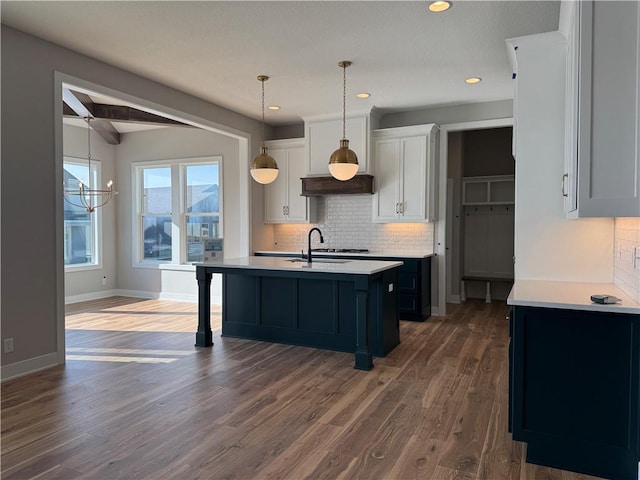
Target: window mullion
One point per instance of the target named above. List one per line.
(177, 245)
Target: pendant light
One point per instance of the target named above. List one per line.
(84, 196)
(264, 168)
(343, 163)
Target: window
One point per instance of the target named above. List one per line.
(178, 209)
(81, 228)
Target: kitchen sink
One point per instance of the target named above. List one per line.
(317, 260)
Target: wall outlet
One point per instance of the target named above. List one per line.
(7, 345)
(104, 280)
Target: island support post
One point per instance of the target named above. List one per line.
(204, 337)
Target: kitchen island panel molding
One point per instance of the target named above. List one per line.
(414, 280)
(350, 308)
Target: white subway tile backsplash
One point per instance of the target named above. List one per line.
(345, 221)
(627, 247)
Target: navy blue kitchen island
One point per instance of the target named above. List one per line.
(343, 305)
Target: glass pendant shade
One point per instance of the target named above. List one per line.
(264, 168)
(343, 164)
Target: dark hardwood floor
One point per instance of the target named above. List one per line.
(136, 400)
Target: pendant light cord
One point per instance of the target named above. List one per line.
(89, 158)
(262, 81)
(344, 100)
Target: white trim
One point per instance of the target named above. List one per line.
(85, 297)
(174, 297)
(177, 167)
(32, 365)
(440, 230)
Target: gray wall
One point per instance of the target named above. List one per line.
(450, 114)
(470, 112)
(32, 276)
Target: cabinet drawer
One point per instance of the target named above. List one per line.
(409, 265)
(407, 302)
(408, 282)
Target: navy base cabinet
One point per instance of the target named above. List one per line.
(414, 283)
(574, 389)
(414, 289)
(350, 312)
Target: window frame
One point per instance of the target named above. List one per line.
(178, 215)
(97, 229)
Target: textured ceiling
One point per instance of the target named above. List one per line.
(402, 54)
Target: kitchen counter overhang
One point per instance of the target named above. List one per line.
(349, 306)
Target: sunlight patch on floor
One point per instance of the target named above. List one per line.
(129, 351)
(112, 358)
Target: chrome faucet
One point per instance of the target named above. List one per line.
(309, 259)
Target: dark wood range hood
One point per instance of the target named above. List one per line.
(321, 186)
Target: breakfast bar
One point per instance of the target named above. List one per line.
(336, 304)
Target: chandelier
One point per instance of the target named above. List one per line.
(84, 196)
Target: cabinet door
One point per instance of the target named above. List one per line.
(575, 389)
(296, 169)
(275, 194)
(609, 123)
(323, 138)
(387, 163)
(413, 176)
(569, 178)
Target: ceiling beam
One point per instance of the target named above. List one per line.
(123, 113)
(83, 106)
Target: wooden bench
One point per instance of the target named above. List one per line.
(488, 280)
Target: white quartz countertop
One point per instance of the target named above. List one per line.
(357, 267)
(569, 295)
(348, 254)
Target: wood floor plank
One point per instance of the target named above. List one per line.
(136, 400)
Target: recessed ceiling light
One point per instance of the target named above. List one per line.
(363, 95)
(439, 6)
(472, 80)
(273, 107)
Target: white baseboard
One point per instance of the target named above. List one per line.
(85, 297)
(175, 297)
(180, 297)
(137, 294)
(453, 299)
(25, 367)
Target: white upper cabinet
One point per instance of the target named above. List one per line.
(282, 200)
(602, 171)
(404, 161)
(323, 138)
